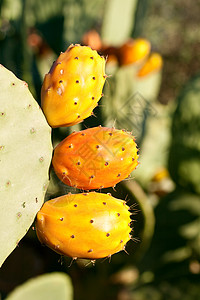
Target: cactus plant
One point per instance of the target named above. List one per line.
(134, 85)
(95, 158)
(87, 225)
(184, 155)
(117, 26)
(25, 156)
(73, 86)
(52, 286)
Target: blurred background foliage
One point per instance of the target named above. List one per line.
(161, 108)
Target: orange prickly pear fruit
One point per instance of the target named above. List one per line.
(153, 63)
(133, 51)
(73, 86)
(90, 225)
(94, 158)
(92, 39)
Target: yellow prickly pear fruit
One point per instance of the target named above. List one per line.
(154, 63)
(134, 50)
(73, 86)
(87, 225)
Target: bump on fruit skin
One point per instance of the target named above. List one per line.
(87, 225)
(94, 158)
(73, 86)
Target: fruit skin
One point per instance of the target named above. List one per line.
(94, 158)
(73, 86)
(87, 225)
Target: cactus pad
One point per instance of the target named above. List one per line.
(51, 286)
(25, 156)
(184, 154)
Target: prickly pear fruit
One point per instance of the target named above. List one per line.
(87, 225)
(92, 39)
(94, 158)
(73, 86)
(133, 51)
(153, 63)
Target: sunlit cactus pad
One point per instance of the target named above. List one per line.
(25, 156)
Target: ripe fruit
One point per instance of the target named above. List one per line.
(95, 158)
(134, 51)
(92, 39)
(87, 225)
(73, 86)
(153, 63)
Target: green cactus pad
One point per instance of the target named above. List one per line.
(118, 21)
(184, 154)
(48, 286)
(25, 156)
(130, 99)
